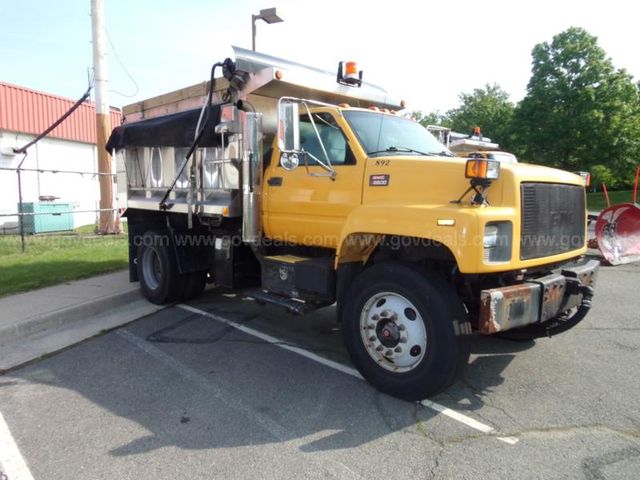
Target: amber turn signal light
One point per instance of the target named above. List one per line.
(482, 169)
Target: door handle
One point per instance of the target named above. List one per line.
(275, 181)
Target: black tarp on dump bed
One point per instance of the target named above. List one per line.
(174, 130)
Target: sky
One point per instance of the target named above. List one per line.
(424, 52)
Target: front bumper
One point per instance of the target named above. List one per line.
(537, 300)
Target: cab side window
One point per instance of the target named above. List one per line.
(332, 137)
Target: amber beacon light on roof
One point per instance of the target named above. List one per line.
(348, 74)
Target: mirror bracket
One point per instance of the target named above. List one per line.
(289, 136)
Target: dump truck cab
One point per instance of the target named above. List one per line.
(310, 189)
(397, 179)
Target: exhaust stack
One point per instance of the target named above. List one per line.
(251, 177)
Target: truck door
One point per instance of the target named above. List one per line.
(311, 210)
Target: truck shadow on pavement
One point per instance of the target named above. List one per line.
(490, 356)
(180, 379)
(134, 396)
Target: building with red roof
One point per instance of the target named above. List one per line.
(25, 113)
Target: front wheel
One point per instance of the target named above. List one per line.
(406, 330)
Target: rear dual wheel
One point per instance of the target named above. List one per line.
(194, 285)
(160, 279)
(406, 330)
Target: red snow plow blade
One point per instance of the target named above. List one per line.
(618, 233)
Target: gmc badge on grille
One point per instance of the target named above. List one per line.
(378, 180)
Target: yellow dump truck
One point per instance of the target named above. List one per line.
(310, 189)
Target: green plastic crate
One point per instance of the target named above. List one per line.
(53, 221)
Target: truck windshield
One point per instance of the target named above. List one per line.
(381, 135)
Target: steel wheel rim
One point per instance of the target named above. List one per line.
(393, 332)
(151, 268)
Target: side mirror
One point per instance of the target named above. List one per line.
(288, 126)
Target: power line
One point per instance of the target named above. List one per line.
(115, 53)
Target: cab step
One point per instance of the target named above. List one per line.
(295, 307)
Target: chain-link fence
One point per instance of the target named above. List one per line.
(78, 203)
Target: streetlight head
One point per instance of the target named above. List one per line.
(269, 15)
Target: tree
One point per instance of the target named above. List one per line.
(488, 108)
(579, 111)
(602, 174)
(431, 118)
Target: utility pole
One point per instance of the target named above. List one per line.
(103, 122)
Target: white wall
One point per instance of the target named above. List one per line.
(54, 154)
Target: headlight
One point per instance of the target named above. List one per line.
(497, 242)
(490, 236)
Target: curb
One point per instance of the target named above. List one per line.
(47, 334)
(60, 318)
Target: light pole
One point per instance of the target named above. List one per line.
(269, 15)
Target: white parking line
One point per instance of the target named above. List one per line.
(276, 341)
(13, 465)
(468, 421)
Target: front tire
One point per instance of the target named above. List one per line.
(406, 330)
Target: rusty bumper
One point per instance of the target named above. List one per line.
(536, 300)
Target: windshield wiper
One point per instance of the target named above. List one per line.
(398, 149)
(442, 153)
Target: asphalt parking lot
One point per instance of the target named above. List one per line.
(185, 393)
